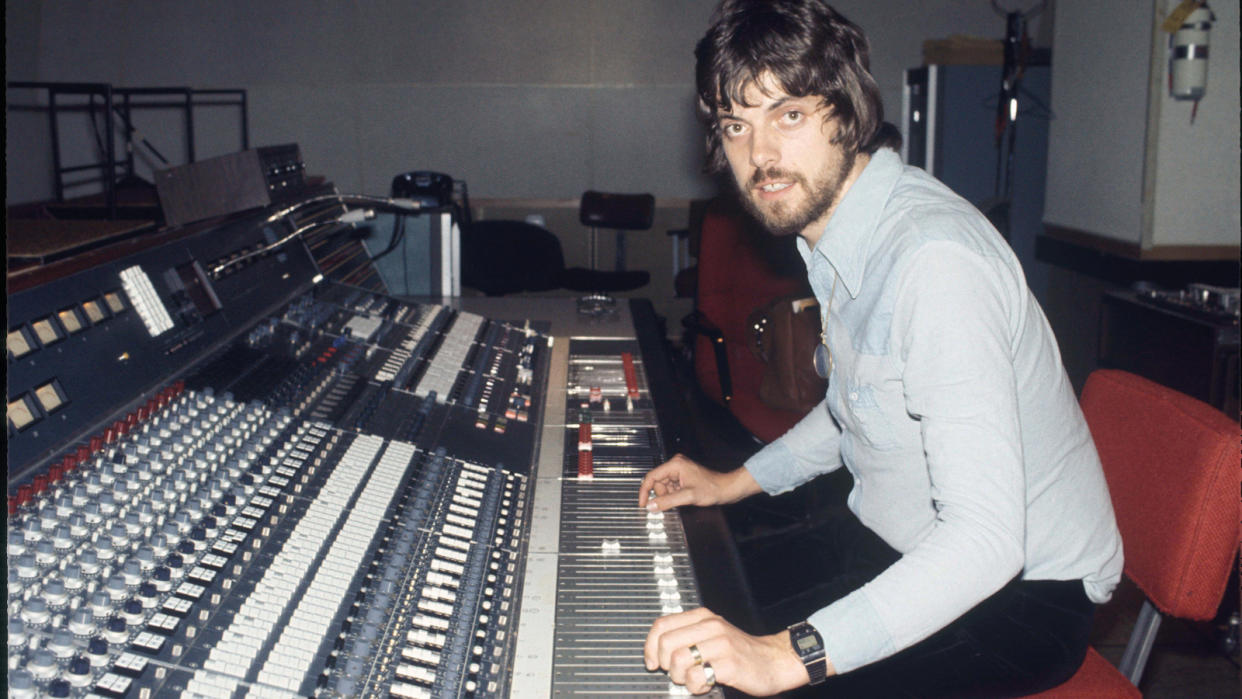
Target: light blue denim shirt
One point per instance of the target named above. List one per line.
(949, 405)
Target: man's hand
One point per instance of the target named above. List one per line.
(680, 481)
(757, 665)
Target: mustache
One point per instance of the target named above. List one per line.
(772, 173)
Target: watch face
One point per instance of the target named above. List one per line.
(807, 643)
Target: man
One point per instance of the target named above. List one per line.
(984, 530)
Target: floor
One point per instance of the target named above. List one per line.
(1186, 662)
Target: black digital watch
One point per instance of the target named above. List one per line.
(810, 649)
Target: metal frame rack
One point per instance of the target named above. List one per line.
(121, 102)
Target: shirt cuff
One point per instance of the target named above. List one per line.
(852, 632)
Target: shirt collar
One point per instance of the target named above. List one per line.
(848, 237)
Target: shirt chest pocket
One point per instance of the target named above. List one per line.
(863, 410)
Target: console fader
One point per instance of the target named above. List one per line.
(262, 483)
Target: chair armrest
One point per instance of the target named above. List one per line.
(700, 325)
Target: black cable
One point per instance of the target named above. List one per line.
(398, 234)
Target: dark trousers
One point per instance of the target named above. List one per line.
(1029, 636)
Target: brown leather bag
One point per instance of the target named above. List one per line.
(784, 335)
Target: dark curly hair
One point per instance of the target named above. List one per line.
(806, 46)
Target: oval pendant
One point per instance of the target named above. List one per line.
(822, 361)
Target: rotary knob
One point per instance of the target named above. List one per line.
(21, 684)
(101, 604)
(61, 644)
(132, 612)
(78, 527)
(65, 506)
(27, 568)
(107, 503)
(17, 635)
(90, 563)
(115, 631)
(82, 622)
(55, 593)
(45, 553)
(120, 536)
(104, 548)
(62, 538)
(35, 611)
(97, 652)
(49, 516)
(17, 543)
(131, 572)
(116, 588)
(16, 584)
(161, 577)
(32, 530)
(79, 495)
(145, 558)
(72, 576)
(79, 674)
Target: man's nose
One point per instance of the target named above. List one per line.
(764, 149)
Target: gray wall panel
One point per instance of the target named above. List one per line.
(531, 98)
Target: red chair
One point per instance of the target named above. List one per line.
(740, 268)
(1172, 468)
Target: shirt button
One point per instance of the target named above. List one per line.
(853, 395)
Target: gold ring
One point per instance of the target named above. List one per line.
(694, 653)
(709, 674)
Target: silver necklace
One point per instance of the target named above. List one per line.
(823, 355)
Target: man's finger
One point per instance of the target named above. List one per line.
(671, 499)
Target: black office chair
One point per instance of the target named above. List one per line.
(503, 257)
(621, 213)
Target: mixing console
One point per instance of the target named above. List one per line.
(268, 484)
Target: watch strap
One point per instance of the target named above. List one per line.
(810, 649)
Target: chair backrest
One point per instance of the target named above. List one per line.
(741, 267)
(1172, 465)
(631, 212)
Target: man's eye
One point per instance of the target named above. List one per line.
(732, 129)
(793, 116)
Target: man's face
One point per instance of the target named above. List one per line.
(788, 172)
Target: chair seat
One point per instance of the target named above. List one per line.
(1096, 679)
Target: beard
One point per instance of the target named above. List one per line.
(783, 218)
